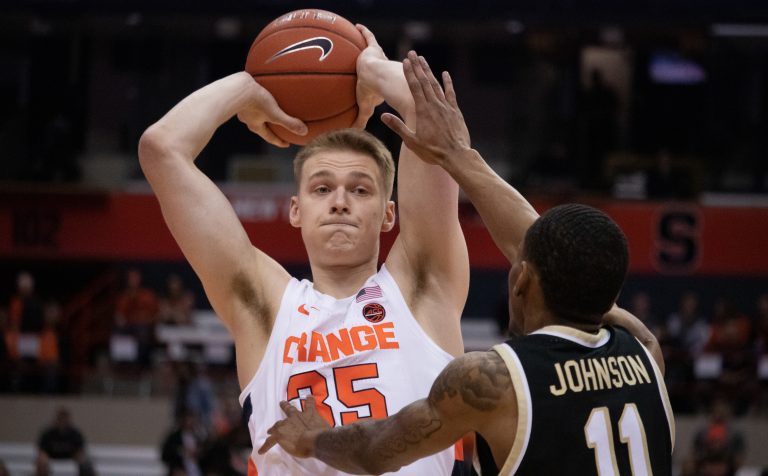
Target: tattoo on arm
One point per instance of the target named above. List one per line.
(374, 446)
(481, 378)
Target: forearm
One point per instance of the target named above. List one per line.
(381, 446)
(506, 213)
(621, 317)
(188, 127)
(341, 448)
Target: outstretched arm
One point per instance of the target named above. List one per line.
(621, 317)
(201, 218)
(439, 138)
(470, 392)
(429, 257)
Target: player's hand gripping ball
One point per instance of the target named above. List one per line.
(307, 60)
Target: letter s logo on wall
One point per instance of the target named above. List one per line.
(677, 247)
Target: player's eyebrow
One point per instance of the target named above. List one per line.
(354, 174)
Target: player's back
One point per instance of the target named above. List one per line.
(588, 404)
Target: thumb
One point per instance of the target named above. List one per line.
(293, 124)
(365, 111)
(397, 126)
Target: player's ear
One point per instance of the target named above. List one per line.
(293, 214)
(389, 217)
(523, 280)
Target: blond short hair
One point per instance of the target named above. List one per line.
(353, 140)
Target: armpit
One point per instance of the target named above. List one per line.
(243, 289)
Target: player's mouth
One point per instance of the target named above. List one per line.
(339, 223)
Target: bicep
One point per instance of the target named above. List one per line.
(206, 228)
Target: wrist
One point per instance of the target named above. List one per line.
(312, 442)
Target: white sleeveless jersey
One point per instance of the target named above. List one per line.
(362, 356)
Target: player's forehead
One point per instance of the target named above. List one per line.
(340, 164)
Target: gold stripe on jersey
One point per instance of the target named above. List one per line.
(664, 395)
(574, 335)
(524, 416)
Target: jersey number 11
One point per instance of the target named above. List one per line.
(599, 434)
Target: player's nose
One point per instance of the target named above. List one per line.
(340, 200)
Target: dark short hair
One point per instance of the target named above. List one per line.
(581, 257)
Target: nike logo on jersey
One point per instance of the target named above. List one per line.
(303, 309)
(329, 347)
(325, 45)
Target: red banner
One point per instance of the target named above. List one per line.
(664, 238)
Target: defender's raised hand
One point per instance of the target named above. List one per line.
(297, 432)
(440, 130)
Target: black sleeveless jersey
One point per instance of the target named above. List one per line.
(588, 404)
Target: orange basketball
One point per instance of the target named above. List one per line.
(307, 60)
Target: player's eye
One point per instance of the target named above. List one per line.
(322, 189)
(360, 191)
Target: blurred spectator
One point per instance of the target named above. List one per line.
(177, 303)
(23, 334)
(3, 469)
(194, 394)
(718, 448)
(682, 342)
(228, 415)
(687, 327)
(227, 454)
(640, 306)
(732, 338)
(49, 355)
(62, 441)
(136, 314)
(181, 447)
(26, 308)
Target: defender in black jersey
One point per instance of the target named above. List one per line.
(579, 392)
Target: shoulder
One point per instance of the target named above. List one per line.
(474, 382)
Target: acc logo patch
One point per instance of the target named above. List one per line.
(374, 312)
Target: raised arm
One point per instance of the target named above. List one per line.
(473, 393)
(242, 283)
(621, 317)
(429, 257)
(440, 138)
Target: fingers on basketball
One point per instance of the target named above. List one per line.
(370, 38)
(307, 60)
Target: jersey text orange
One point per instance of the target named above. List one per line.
(328, 347)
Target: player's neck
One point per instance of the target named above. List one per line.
(341, 281)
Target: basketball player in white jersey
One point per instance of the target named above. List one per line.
(364, 341)
(578, 391)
